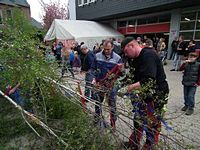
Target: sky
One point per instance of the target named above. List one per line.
(36, 9)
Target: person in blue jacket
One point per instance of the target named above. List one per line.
(105, 61)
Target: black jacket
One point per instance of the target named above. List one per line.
(191, 74)
(88, 59)
(174, 46)
(148, 66)
(183, 46)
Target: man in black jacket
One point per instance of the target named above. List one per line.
(174, 47)
(87, 62)
(181, 51)
(150, 79)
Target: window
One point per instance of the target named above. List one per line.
(131, 22)
(80, 3)
(142, 21)
(187, 35)
(152, 20)
(9, 14)
(197, 35)
(164, 18)
(121, 24)
(188, 16)
(198, 25)
(189, 25)
(198, 17)
(85, 2)
(1, 17)
(198, 21)
(92, 1)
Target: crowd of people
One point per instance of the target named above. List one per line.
(147, 57)
(106, 62)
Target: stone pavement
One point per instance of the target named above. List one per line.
(187, 127)
(176, 101)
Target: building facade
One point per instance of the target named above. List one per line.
(6, 7)
(163, 18)
(72, 9)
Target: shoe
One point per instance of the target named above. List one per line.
(189, 111)
(184, 108)
(172, 70)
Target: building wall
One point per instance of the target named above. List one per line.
(5, 8)
(174, 28)
(72, 9)
(112, 11)
(3, 12)
(27, 11)
(106, 8)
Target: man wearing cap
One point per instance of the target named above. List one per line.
(105, 61)
(148, 73)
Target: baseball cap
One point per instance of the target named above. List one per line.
(126, 41)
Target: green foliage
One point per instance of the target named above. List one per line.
(18, 53)
(24, 63)
(80, 133)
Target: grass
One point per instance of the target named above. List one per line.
(71, 124)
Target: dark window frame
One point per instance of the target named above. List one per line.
(182, 28)
(132, 20)
(183, 18)
(196, 28)
(121, 22)
(164, 18)
(142, 21)
(85, 2)
(152, 20)
(80, 3)
(9, 14)
(187, 32)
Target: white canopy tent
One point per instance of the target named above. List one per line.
(89, 32)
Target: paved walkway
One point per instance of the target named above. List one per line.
(187, 127)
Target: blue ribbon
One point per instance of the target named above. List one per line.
(139, 105)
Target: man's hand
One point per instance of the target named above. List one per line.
(82, 72)
(130, 88)
(187, 61)
(133, 86)
(14, 89)
(93, 81)
(18, 84)
(179, 49)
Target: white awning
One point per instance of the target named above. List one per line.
(81, 31)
